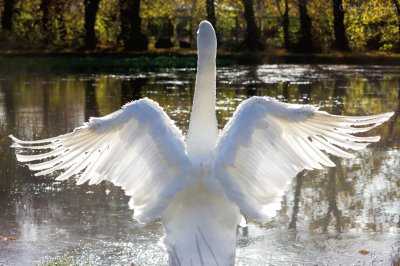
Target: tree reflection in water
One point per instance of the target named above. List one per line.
(330, 214)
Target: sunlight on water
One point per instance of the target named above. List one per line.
(326, 218)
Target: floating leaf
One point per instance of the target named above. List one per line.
(9, 238)
(363, 251)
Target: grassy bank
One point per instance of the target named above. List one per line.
(99, 61)
(350, 58)
(90, 63)
(122, 62)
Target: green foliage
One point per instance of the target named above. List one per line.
(370, 24)
(108, 22)
(321, 13)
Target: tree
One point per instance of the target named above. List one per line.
(131, 34)
(305, 44)
(7, 16)
(211, 13)
(341, 42)
(397, 5)
(45, 8)
(91, 7)
(285, 22)
(252, 39)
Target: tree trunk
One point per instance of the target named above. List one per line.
(8, 12)
(285, 25)
(305, 44)
(252, 40)
(124, 20)
(396, 3)
(211, 12)
(44, 7)
(132, 37)
(341, 42)
(91, 7)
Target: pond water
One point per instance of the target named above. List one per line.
(327, 217)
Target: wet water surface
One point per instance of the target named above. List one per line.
(327, 217)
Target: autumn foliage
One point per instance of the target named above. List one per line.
(294, 25)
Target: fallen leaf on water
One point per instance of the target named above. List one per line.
(363, 251)
(9, 238)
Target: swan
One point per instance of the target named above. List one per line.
(203, 184)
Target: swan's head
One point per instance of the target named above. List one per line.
(206, 39)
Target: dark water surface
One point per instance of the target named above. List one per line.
(327, 216)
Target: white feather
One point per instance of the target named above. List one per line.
(137, 148)
(266, 143)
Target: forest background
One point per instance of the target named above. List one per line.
(298, 26)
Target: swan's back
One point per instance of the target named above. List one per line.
(201, 227)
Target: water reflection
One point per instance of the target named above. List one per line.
(326, 215)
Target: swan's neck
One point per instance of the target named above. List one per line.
(203, 131)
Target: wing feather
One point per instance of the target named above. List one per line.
(137, 147)
(267, 142)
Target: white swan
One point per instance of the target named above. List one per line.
(201, 186)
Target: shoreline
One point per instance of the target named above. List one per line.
(101, 60)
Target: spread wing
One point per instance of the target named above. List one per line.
(267, 142)
(137, 147)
